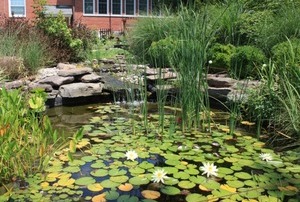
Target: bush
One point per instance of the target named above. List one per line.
(220, 55)
(245, 60)
(287, 53)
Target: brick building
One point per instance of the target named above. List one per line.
(96, 14)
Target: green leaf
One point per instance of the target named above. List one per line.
(170, 190)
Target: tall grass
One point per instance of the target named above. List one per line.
(183, 39)
(19, 39)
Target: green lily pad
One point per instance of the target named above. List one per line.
(115, 172)
(96, 187)
(128, 198)
(192, 171)
(185, 184)
(235, 183)
(89, 158)
(181, 175)
(171, 181)
(111, 195)
(139, 180)
(224, 170)
(195, 198)
(170, 170)
(99, 173)
(136, 170)
(146, 165)
(109, 184)
(72, 169)
(76, 162)
(170, 190)
(85, 181)
(243, 175)
(197, 179)
(119, 179)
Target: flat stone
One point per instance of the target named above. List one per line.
(220, 82)
(65, 66)
(15, 84)
(46, 72)
(74, 90)
(46, 87)
(154, 71)
(164, 76)
(74, 72)
(90, 78)
(57, 80)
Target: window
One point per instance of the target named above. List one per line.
(143, 7)
(89, 6)
(116, 7)
(130, 7)
(17, 8)
(103, 6)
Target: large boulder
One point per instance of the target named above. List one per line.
(75, 90)
(56, 81)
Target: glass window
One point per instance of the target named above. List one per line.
(102, 6)
(116, 7)
(88, 6)
(17, 7)
(130, 7)
(143, 7)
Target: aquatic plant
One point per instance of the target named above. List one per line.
(209, 169)
(159, 176)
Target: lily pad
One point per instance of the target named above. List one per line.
(243, 175)
(111, 195)
(185, 184)
(139, 180)
(170, 190)
(85, 181)
(99, 173)
(109, 184)
(119, 179)
(125, 187)
(95, 187)
(150, 194)
(195, 198)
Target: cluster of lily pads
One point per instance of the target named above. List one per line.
(117, 160)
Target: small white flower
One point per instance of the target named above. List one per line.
(210, 62)
(131, 155)
(209, 169)
(159, 176)
(266, 157)
(264, 65)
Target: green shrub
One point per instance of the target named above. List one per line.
(287, 53)
(160, 51)
(245, 61)
(220, 55)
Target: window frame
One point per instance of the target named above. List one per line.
(121, 8)
(107, 8)
(16, 15)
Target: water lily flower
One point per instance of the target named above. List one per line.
(159, 176)
(266, 157)
(209, 169)
(131, 155)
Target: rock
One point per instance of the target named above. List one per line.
(56, 81)
(74, 90)
(65, 66)
(164, 76)
(15, 84)
(218, 81)
(74, 72)
(46, 87)
(46, 72)
(154, 71)
(219, 93)
(90, 78)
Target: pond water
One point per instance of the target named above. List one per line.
(99, 170)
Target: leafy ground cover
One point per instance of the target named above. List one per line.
(118, 160)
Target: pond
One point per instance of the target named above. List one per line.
(123, 157)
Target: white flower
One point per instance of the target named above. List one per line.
(131, 155)
(264, 65)
(266, 157)
(210, 62)
(159, 175)
(209, 169)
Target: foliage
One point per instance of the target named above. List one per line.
(160, 51)
(245, 61)
(23, 44)
(26, 137)
(220, 54)
(287, 53)
(71, 44)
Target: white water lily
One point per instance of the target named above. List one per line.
(159, 176)
(266, 157)
(131, 155)
(209, 169)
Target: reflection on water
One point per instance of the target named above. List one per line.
(68, 119)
